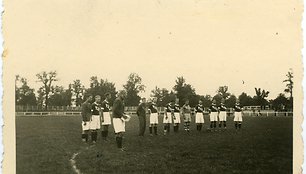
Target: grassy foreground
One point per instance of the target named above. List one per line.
(264, 145)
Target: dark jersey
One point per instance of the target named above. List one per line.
(237, 108)
(141, 110)
(169, 108)
(176, 108)
(199, 108)
(153, 108)
(105, 106)
(118, 108)
(186, 108)
(86, 111)
(213, 108)
(95, 109)
(222, 107)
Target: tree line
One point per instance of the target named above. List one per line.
(53, 95)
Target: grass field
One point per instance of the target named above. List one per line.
(264, 145)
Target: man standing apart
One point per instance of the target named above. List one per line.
(118, 118)
(86, 117)
(141, 113)
(95, 123)
(106, 116)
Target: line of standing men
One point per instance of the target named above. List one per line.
(96, 114)
(173, 113)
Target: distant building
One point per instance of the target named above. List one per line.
(267, 107)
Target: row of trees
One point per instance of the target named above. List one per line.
(52, 95)
(184, 91)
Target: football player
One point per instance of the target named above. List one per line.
(95, 123)
(153, 117)
(222, 115)
(176, 115)
(169, 111)
(238, 115)
(186, 112)
(199, 120)
(106, 116)
(86, 117)
(118, 118)
(213, 115)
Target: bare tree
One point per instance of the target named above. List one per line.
(46, 78)
(289, 81)
(261, 96)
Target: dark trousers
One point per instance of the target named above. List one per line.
(142, 125)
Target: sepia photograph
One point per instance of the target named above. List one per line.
(152, 87)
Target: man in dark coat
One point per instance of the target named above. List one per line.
(141, 113)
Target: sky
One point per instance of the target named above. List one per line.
(210, 43)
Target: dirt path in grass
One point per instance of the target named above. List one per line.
(73, 162)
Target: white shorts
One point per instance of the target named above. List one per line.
(177, 118)
(213, 116)
(95, 122)
(199, 118)
(107, 118)
(119, 125)
(154, 118)
(167, 117)
(238, 116)
(85, 127)
(222, 116)
(187, 117)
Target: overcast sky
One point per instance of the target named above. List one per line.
(210, 43)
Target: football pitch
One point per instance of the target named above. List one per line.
(264, 145)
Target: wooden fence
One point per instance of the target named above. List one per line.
(132, 111)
